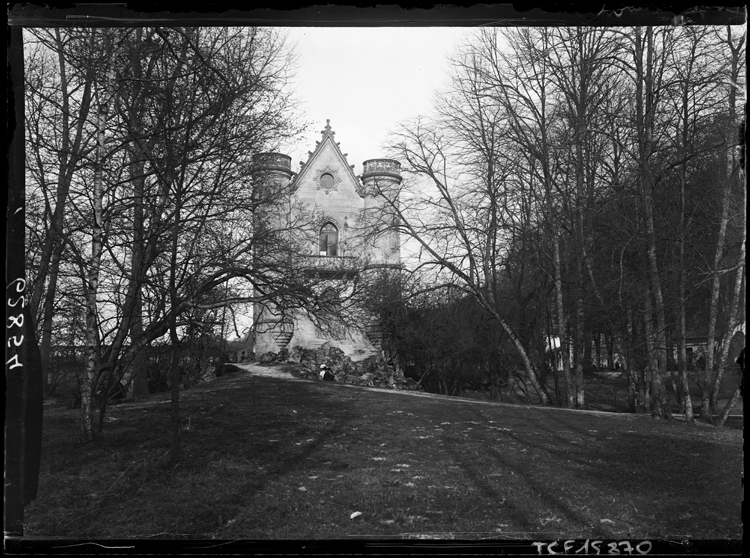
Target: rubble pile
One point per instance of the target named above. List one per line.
(368, 372)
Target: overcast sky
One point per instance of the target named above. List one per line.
(366, 81)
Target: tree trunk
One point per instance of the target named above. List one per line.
(739, 392)
(174, 456)
(598, 350)
(653, 379)
(487, 300)
(687, 401)
(731, 171)
(708, 378)
(732, 320)
(646, 100)
(728, 407)
(174, 453)
(138, 366)
(528, 366)
(580, 345)
(562, 328)
(92, 356)
(138, 264)
(635, 397)
(92, 332)
(45, 344)
(713, 317)
(69, 157)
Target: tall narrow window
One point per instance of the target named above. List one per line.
(329, 240)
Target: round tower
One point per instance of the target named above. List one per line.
(272, 177)
(272, 169)
(381, 180)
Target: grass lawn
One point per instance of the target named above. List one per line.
(266, 458)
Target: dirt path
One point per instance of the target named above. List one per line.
(734, 421)
(274, 372)
(267, 371)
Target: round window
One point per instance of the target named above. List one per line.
(326, 181)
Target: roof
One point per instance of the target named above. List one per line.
(328, 136)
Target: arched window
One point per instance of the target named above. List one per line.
(329, 240)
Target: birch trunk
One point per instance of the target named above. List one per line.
(713, 316)
(92, 288)
(731, 172)
(687, 402)
(731, 326)
(92, 356)
(729, 406)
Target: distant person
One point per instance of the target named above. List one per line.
(326, 373)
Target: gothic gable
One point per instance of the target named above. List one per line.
(327, 173)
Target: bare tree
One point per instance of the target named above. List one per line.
(520, 80)
(58, 96)
(104, 93)
(731, 174)
(693, 98)
(458, 209)
(171, 180)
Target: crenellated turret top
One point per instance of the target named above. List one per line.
(273, 161)
(271, 166)
(380, 168)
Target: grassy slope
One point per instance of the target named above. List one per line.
(273, 459)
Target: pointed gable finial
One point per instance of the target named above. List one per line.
(328, 131)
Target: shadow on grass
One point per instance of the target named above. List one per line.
(528, 500)
(233, 447)
(268, 458)
(266, 441)
(561, 463)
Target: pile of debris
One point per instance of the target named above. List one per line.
(368, 372)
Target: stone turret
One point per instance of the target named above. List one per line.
(381, 169)
(380, 183)
(272, 176)
(275, 162)
(275, 168)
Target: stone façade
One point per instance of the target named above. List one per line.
(334, 211)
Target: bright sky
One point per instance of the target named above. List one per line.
(366, 80)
